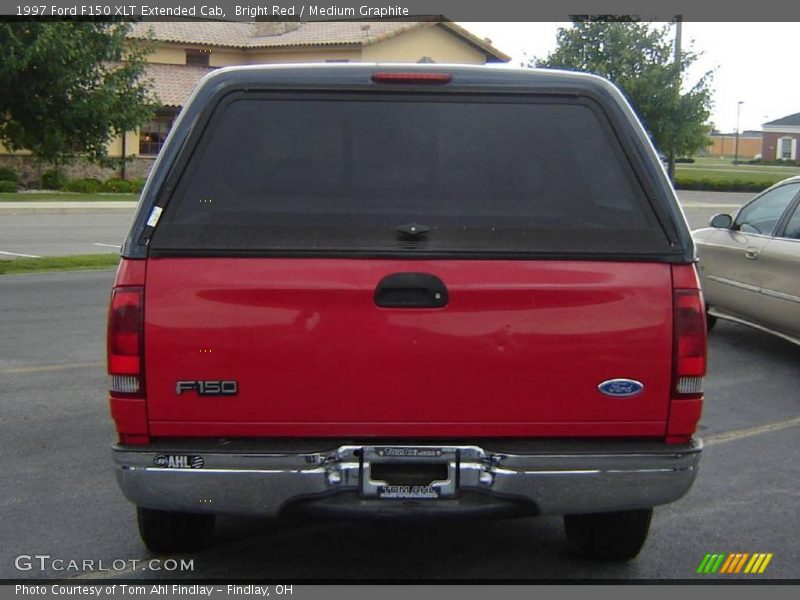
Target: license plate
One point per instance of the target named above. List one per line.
(404, 492)
(408, 473)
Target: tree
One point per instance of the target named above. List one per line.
(639, 59)
(69, 87)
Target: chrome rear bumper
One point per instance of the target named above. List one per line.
(547, 477)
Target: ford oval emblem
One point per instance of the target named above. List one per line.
(620, 388)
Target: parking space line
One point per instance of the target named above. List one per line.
(44, 368)
(729, 436)
(18, 254)
(106, 245)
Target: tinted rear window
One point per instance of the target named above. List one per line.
(340, 175)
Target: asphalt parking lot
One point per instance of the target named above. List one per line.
(60, 498)
(34, 230)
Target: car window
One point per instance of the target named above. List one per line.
(793, 226)
(762, 214)
(273, 174)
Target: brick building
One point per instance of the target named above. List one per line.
(724, 144)
(780, 139)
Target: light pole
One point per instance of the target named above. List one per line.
(736, 143)
(673, 151)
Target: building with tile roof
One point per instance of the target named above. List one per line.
(197, 47)
(186, 50)
(256, 37)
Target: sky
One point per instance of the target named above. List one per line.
(756, 63)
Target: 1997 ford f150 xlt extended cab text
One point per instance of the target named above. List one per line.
(368, 290)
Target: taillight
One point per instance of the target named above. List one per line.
(430, 78)
(690, 344)
(125, 341)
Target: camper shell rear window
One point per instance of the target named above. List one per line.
(402, 174)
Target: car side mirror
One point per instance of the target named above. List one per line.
(721, 221)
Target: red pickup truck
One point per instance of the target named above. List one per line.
(427, 290)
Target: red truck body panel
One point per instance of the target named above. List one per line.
(519, 350)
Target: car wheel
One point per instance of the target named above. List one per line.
(608, 536)
(166, 532)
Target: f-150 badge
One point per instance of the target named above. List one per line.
(208, 388)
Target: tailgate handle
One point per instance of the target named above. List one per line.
(411, 290)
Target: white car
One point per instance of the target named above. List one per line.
(750, 263)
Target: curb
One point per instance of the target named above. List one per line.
(66, 207)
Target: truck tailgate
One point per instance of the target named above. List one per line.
(519, 349)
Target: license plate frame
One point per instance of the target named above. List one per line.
(372, 488)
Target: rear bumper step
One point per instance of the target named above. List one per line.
(561, 478)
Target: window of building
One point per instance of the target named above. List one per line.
(787, 148)
(197, 58)
(153, 134)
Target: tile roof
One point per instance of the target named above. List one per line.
(284, 34)
(787, 121)
(172, 84)
(235, 35)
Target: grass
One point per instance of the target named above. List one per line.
(723, 169)
(716, 163)
(722, 174)
(78, 262)
(65, 197)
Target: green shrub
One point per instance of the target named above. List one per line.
(138, 185)
(8, 174)
(683, 182)
(84, 186)
(8, 186)
(684, 160)
(772, 163)
(116, 185)
(54, 180)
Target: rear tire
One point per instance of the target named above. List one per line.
(166, 532)
(608, 536)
